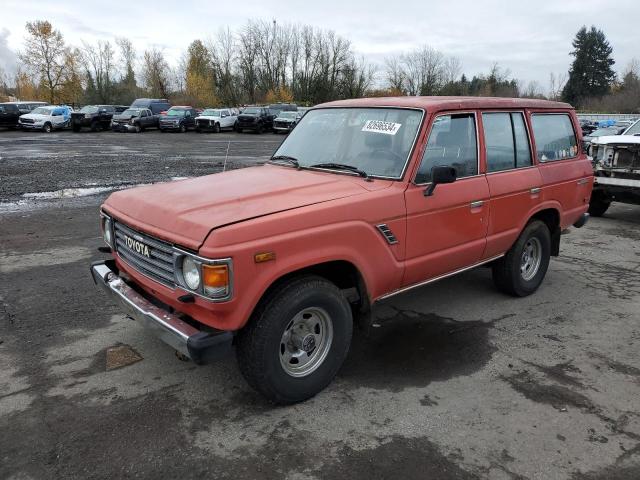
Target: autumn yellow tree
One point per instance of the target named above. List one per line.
(199, 78)
(25, 88)
(279, 94)
(45, 55)
(71, 91)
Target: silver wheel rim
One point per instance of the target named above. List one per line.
(305, 342)
(531, 259)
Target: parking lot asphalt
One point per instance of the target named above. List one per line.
(456, 381)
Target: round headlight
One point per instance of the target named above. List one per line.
(107, 232)
(191, 273)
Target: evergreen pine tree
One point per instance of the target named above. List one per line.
(590, 74)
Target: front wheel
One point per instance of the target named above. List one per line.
(521, 271)
(138, 129)
(183, 128)
(47, 128)
(216, 128)
(296, 341)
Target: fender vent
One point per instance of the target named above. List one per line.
(387, 233)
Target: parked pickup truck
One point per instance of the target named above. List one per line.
(616, 163)
(95, 117)
(134, 120)
(255, 119)
(363, 200)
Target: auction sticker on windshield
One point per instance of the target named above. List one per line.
(378, 126)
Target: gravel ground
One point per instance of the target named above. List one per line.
(457, 382)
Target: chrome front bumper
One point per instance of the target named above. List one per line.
(199, 346)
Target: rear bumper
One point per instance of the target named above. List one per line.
(199, 346)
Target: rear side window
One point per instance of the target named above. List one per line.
(453, 143)
(506, 141)
(554, 135)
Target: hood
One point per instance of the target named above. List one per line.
(170, 118)
(207, 117)
(35, 116)
(120, 116)
(185, 211)
(616, 139)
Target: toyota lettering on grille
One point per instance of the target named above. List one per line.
(137, 246)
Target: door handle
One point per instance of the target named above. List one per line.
(476, 204)
(582, 181)
(535, 191)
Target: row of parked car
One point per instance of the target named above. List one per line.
(145, 113)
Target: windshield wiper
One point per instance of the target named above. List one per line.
(342, 166)
(285, 158)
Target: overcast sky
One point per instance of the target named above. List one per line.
(531, 39)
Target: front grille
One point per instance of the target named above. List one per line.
(282, 124)
(204, 123)
(27, 120)
(158, 265)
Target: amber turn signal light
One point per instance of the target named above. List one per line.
(264, 257)
(215, 276)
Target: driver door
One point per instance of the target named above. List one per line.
(447, 231)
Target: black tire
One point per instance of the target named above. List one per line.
(137, 128)
(47, 128)
(183, 128)
(259, 343)
(507, 274)
(598, 204)
(239, 130)
(95, 126)
(260, 129)
(76, 128)
(198, 130)
(216, 128)
(235, 127)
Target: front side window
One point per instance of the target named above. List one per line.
(375, 140)
(506, 141)
(453, 143)
(554, 135)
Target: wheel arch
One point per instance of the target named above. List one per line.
(342, 273)
(551, 218)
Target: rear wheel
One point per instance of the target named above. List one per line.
(521, 271)
(599, 203)
(296, 341)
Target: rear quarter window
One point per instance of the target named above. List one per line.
(554, 136)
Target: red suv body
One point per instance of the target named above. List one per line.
(365, 199)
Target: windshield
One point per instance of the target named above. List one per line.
(211, 113)
(251, 110)
(131, 111)
(633, 129)
(375, 140)
(42, 111)
(288, 114)
(601, 132)
(176, 113)
(89, 109)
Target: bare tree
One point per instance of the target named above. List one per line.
(556, 85)
(99, 60)
(155, 73)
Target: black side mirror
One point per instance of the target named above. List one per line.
(440, 174)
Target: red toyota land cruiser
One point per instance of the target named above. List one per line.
(365, 199)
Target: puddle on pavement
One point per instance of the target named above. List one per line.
(413, 349)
